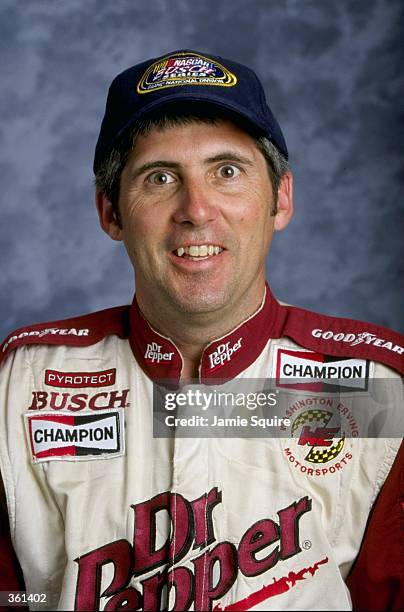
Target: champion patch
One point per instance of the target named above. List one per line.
(90, 436)
(185, 69)
(307, 371)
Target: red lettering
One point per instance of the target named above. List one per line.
(289, 524)
(78, 402)
(128, 599)
(88, 593)
(120, 399)
(92, 403)
(180, 514)
(321, 436)
(53, 403)
(258, 536)
(202, 509)
(215, 570)
(39, 400)
(181, 579)
(225, 555)
(152, 590)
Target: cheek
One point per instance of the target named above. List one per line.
(138, 219)
(256, 208)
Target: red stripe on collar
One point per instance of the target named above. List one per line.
(223, 358)
(157, 355)
(226, 357)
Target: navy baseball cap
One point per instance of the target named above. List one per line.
(185, 76)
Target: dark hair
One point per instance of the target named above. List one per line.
(108, 177)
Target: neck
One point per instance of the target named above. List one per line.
(191, 332)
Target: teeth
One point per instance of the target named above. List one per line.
(199, 251)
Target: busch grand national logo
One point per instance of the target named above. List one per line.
(195, 569)
(185, 69)
(223, 353)
(320, 428)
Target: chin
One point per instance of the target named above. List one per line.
(201, 301)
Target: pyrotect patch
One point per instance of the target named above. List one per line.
(87, 436)
(308, 371)
(72, 380)
(185, 69)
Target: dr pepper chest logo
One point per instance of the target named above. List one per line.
(185, 69)
(191, 566)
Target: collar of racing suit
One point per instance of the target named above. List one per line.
(222, 358)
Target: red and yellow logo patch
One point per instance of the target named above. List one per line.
(183, 69)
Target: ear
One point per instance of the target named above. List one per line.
(109, 219)
(285, 202)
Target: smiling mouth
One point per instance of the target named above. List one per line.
(195, 252)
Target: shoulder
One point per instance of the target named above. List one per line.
(83, 330)
(343, 337)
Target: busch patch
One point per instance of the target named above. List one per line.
(185, 69)
(70, 380)
(74, 402)
(304, 370)
(182, 565)
(75, 437)
(319, 428)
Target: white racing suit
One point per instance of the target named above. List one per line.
(103, 516)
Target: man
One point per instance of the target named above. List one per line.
(192, 175)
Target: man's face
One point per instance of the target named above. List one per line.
(195, 206)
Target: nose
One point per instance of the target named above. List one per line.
(196, 204)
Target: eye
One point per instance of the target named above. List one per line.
(228, 171)
(160, 178)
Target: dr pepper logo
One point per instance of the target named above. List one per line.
(185, 69)
(190, 568)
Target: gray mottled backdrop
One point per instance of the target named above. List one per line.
(332, 72)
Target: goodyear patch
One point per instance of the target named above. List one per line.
(182, 69)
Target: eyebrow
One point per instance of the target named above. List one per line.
(161, 163)
(229, 156)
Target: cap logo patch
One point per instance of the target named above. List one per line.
(185, 69)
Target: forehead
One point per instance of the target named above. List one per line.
(195, 138)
